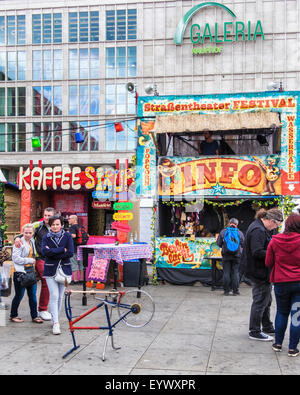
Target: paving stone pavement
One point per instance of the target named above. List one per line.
(194, 331)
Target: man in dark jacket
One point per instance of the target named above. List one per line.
(231, 258)
(257, 238)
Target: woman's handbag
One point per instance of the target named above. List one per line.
(61, 277)
(28, 278)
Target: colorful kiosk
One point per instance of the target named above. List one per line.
(195, 194)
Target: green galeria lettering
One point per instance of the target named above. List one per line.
(226, 32)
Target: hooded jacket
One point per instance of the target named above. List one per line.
(283, 257)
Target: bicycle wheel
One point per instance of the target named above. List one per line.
(141, 307)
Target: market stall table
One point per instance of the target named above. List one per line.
(117, 254)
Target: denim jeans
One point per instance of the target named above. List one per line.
(19, 293)
(288, 303)
(56, 291)
(230, 273)
(260, 309)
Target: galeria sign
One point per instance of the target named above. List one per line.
(229, 31)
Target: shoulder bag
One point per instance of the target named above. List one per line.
(28, 278)
(61, 277)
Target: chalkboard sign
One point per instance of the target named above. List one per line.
(97, 269)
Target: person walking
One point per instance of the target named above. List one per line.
(41, 229)
(231, 240)
(257, 239)
(57, 248)
(22, 256)
(77, 266)
(283, 258)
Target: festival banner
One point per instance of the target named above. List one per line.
(184, 253)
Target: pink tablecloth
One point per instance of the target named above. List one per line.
(120, 253)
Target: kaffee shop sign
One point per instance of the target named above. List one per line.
(230, 31)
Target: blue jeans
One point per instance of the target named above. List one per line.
(288, 303)
(20, 291)
(231, 273)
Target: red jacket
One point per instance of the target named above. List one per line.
(283, 256)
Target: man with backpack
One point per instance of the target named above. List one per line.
(80, 237)
(231, 240)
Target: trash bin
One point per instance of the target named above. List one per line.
(131, 273)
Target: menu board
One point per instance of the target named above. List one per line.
(97, 269)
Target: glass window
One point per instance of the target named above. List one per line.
(21, 28)
(2, 137)
(73, 126)
(121, 140)
(85, 134)
(2, 102)
(94, 63)
(47, 65)
(57, 136)
(121, 24)
(121, 99)
(121, 62)
(36, 65)
(57, 100)
(94, 26)
(83, 26)
(47, 137)
(131, 135)
(36, 98)
(2, 31)
(21, 65)
(84, 99)
(37, 132)
(110, 137)
(94, 136)
(21, 101)
(21, 137)
(11, 30)
(47, 22)
(94, 99)
(110, 25)
(84, 63)
(131, 61)
(131, 25)
(110, 62)
(47, 100)
(57, 64)
(131, 105)
(73, 63)
(11, 137)
(11, 66)
(73, 27)
(73, 100)
(36, 29)
(11, 102)
(110, 100)
(57, 28)
(2, 65)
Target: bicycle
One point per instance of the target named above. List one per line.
(135, 308)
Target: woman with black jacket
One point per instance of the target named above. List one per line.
(57, 248)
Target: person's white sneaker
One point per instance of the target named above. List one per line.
(45, 315)
(56, 329)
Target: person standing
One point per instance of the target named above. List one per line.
(257, 239)
(77, 266)
(283, 258)
(20, 257)
(231, 240)
(208, 146)
(57, 248)
(41, 229)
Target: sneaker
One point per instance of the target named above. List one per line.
(260, 336)
(45, 315)
(226, 293)
(56, 329)
(236, 293)
(277, 347)
(293, 353)
(269, 330)
(3, 306)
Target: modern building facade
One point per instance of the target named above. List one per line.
(64, 66)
